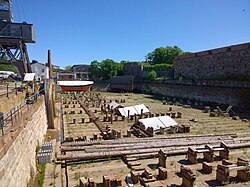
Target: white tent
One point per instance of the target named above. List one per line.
(156, 122)
(29, 77)
(133, 110)
(114, 104)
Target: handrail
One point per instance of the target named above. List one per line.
(8, 118)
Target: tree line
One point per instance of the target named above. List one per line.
(160, 59)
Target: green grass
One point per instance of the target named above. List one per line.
(41, 178)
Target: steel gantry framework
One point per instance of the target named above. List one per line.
(13, 39)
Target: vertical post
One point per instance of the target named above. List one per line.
(128, 114)
(15, 112)
(1, 122)
(15, 88)
(18, 108)
(49, 64)
(49, 95)
(61, 123)
(11, 116)
(7, 90)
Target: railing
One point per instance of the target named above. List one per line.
(61, 122)
(14, 117)
(8, 89)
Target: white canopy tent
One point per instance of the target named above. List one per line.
(114, 104)
(158, 122)
(133, 110)
(29, 77)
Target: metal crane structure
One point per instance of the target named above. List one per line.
(13, 39)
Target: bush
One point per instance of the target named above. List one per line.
(152, 75)
(157, 67)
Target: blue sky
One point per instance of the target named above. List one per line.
(78, 32)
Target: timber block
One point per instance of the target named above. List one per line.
(179, 114)
(188, 176)
(83, 182)
(192, 155)
(209, 156)
(222, 174)
(207, 168)
(137, 168)
(226, 162)
(91, 182)
(118, 180)
(242, 162)
(147, 174)
(162, 157)
(244, 175)
(134, 163)
(224, 153)
(130, 159)
(135, 177)
(162, 173)
(106, 181)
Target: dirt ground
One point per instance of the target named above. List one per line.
(204, 124)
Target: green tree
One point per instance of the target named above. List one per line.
(105, 69)
(152, 75)
(8, 67)
(164, 55)
(95, 69)
(68, 67)
(109, 68)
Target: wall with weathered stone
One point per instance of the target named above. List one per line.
(132, 68)
(18, 165)
(235, 96)
(231, 61)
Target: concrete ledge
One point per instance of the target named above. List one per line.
(220, 50)
(240, 47)
(203, 53)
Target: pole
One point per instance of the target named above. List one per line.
(2, 122)
(15, 88)
(11, 116)
(7, 90)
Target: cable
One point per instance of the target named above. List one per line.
(23, 10)
(18, 11)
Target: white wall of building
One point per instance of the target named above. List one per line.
(41, 70)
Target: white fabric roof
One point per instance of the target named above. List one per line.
(74, 83)
(133, 110)
(29, 77)
(114, 104)
(157, 122)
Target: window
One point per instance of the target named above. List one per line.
(42, 70)
(4, 6)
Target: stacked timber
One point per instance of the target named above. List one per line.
(143, 148)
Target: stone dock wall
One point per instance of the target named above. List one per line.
(238, 97)
(227, 62)
(18, 149)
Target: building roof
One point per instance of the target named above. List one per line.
(36, 62)
(157, 122)
(133, 110)
(83, 65)
(74, 83)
